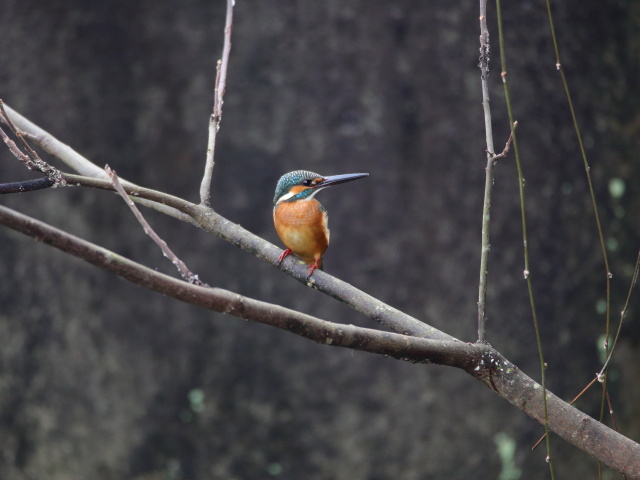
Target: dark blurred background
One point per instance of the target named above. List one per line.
(101, 379)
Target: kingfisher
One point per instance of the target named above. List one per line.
(300, 220)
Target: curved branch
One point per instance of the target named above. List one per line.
(451, 353)
(479, 360)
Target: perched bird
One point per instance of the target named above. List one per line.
(300, 220)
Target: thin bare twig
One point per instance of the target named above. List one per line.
(187, 274)
(218, 99)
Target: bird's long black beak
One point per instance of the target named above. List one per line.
(336, 179)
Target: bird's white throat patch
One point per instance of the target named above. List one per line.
(288, 195)
(284, 197)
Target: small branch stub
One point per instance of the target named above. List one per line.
(507, 146)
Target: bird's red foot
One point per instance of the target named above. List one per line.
(284, 254)
(313, 267)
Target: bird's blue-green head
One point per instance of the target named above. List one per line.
(303, 184)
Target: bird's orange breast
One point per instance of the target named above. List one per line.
(302, 227)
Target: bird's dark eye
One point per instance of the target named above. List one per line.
(307, 183)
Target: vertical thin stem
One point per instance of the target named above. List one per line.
(523, 215)
(216, 116)
(587, 169)
(488, 184)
